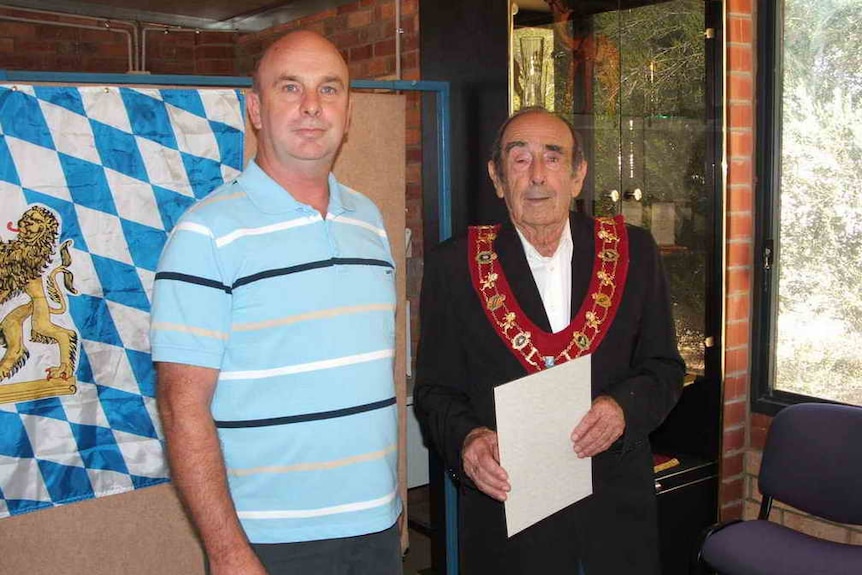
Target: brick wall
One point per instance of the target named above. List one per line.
(39, 41)
(744, 432)
(190, 52)
(45, 42)
(739, 249)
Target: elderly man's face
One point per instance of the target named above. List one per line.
(302, 106)
(537, 182)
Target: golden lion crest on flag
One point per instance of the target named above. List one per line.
(29, 291)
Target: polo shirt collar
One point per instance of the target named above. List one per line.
(270, 198)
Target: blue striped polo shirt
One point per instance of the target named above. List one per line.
(297, 313)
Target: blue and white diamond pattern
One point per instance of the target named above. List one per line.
(118, 166)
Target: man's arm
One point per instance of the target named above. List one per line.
(198, 469)
(440, 398)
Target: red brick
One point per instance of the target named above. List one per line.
(317, 17)
(409, 42)
(345, 38)
(738, 306)
(414, 155)
(180, 37)
(740, 198)
(385, 11)
(734, 414)
(736, 360)
(358, 69)
(360, 53)
(214, 67)
(732, 465)
(731, 511)
(740, 171)
(757, 438)
(758, 428)
(740, 116)
(735, 387)
(740, 226)
(413, 174)
(738, 6)
(35, 46)
(48, 32)
(409, 7)
(380, 67)
(740, 142)
(739, 58)
(384, 48)
(738, 281)
(410, 60)
(107, 65)
(737, 333)
(410, 74)
(17, 29)
(7, 45)
(214, 52)
(739, 30)
(413, 136)
(740, 86)
(739, 254)
(733, 440)
(214, 37)
(344, 9)
(360, 18)
(731, 491)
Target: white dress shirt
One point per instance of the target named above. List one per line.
(553, 277)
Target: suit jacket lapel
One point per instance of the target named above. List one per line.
(583, 257)
(514, 263)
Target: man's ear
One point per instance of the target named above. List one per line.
(253, 101)
(492, 172)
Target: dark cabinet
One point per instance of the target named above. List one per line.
(688, 492)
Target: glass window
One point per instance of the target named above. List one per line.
(811, 242)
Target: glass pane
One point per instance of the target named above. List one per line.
(633, 83)
(662, 148)
(819, 323)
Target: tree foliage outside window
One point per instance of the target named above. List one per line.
(818, 335)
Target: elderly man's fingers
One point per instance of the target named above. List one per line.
(603, 424)
(480, 458)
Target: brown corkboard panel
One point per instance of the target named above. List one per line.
(145, 532)
(141, 532)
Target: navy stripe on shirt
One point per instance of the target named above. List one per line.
(272, 273)
(306, 416)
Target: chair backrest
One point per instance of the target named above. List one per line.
(813, 460)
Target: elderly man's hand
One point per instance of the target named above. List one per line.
(480, 458)
(603, 424)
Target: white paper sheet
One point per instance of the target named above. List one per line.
(535, 418)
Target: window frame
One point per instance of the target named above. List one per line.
(764, 398)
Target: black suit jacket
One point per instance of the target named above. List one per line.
(461, 359)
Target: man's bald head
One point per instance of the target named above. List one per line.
(297, 41)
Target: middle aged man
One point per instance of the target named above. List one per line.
(509, 300)
(273, 329)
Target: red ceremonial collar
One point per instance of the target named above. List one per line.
(535, 348)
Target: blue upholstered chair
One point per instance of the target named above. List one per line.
(812, 461)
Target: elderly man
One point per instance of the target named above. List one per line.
(273, 333)
(545, 287)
